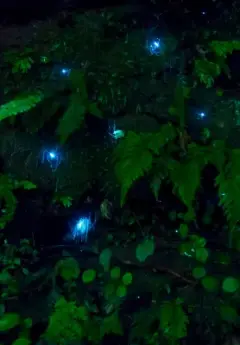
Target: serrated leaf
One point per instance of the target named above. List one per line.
(133, 160)
(20, 104)
(173, 320)
(186, 179)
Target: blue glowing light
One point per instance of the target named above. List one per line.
(65, 71)
(202, 115)
(114, 132)
(154, 46)
(81, 228)
(52, 157)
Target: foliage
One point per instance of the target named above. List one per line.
(173, 320)
(68, 269)
(64, 314)
(7, 187)
(145, 249)
(87, 295)
(20, 104)
(135, 153)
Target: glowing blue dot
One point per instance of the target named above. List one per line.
(65, 71)
(115, 133)
(52, 155)
(53, 158)
(154, 47)
(202, 115)
(81, 229)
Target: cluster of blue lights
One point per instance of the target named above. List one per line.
(80, 229)
(52, 157)
(155, 47)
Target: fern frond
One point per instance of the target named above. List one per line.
(228, 182)
(186, 177)
(133, 160)
(159, 173)
(156, 141)
(20, 104)
(134, 155)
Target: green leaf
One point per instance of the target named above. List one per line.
(115, 273)
(68, 269)
(88, 276)
(199, 272)
(134, 155)
(121, 291)
(77, 79)
(210, 283)
(230, 284)
(145, 249)
(28, 322)
(155, 185)
(20, 104)
(82, 313)
(186, 179)
(9, 321)
(127, 278)
(109, 290)
(173, 320)
(112, 324)
(28, 185)
(228, 313)
(201, 254)
(105, 259)
(72, 119)
(183, 230)
(66, 201)
(133, 159)
(22, 341)
(94, 110)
